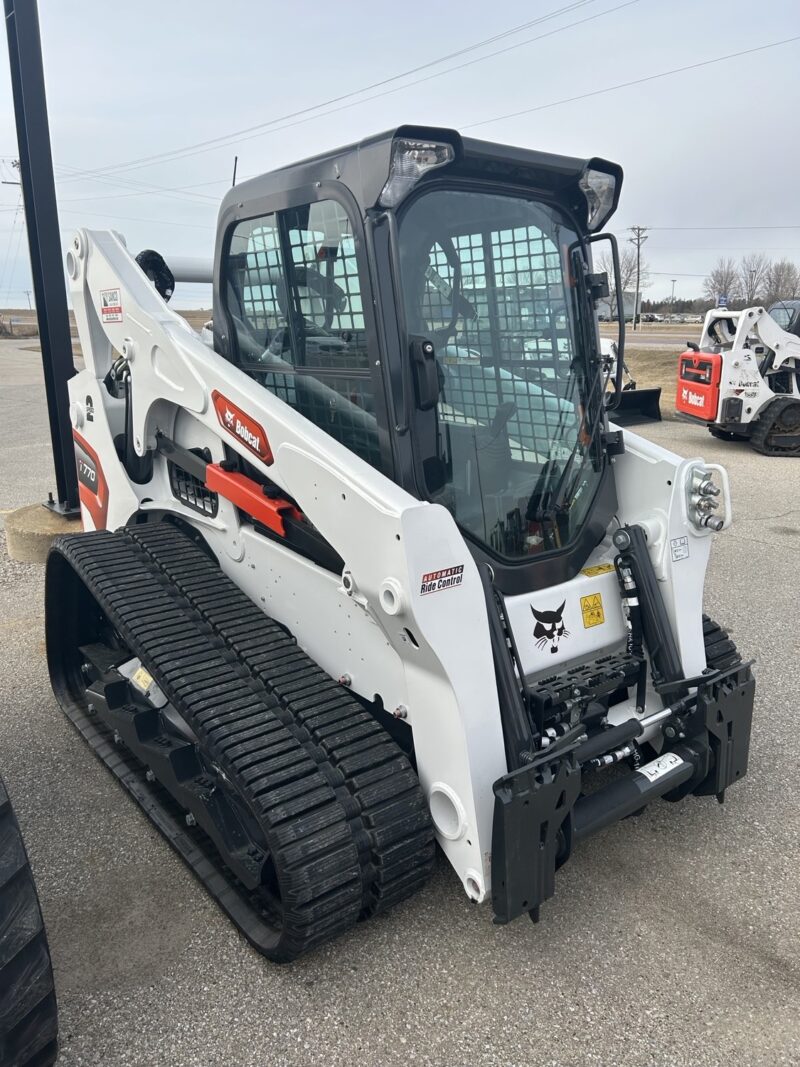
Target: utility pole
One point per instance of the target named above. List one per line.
(638, 239)
(672, 301)
(28, 294)
(41, 216)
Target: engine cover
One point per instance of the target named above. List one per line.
(699, 375)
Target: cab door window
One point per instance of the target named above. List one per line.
(294, 298)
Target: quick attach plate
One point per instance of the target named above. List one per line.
(531, 805)
(725, 710)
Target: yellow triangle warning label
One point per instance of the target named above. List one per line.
(592, 610)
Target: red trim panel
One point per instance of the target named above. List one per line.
(92, 485)
(241, 426)
(249, 496)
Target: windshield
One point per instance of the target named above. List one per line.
(486, 278)
(782, 313)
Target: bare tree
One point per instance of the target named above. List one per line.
(782, 282)
(753, 271)
(723, 280)
(627, 274)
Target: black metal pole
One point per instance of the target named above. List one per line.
(41, 217)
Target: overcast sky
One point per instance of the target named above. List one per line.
(711, 147)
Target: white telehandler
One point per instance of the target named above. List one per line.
(368, 575)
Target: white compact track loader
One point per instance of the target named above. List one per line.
(743, 379)
(375, 572)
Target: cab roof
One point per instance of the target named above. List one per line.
(363, 167)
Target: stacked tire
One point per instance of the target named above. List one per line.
(28, 1014)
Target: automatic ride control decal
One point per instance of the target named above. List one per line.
(92, 485)
(447, 578)
(240, 425)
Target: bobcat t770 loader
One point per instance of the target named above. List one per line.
(375, 572)
(743, 379)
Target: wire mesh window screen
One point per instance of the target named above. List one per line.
(510, 341)
(300, 326)
(256, 257)
(486, 276)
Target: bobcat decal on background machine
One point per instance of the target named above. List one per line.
(298, 625)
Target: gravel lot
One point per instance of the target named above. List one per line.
(673, 939)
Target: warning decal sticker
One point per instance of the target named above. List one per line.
(680, 548)
(111, 305)
(601, 568)
(664, 763)
(447, 578)
(592, 610)
(142, 679)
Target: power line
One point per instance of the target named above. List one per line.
(790, 226)
(676, 273)
(131, 218)
(155, 190)
(635, 81)
(247, 132)
(16, 210)
(725, 248)
(132, 183)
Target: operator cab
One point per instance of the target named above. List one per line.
(428, 301)
(787, 315)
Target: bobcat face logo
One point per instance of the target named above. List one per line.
(549, 628)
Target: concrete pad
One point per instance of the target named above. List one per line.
(31, 530)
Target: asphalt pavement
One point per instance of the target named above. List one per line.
(673, 938)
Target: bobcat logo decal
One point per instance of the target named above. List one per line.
(549, 627)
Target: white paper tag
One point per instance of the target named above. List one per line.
(660, 766)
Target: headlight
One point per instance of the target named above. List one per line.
(410, 160)
(598, 187)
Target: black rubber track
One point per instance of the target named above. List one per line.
(339, 804)
(28, 1011)
(389, 818)
(771, 422)
(721, 652)
(292, 796)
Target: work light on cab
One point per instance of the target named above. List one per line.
(410, 161)
(600, 190)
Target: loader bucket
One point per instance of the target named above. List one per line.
(637, 405)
